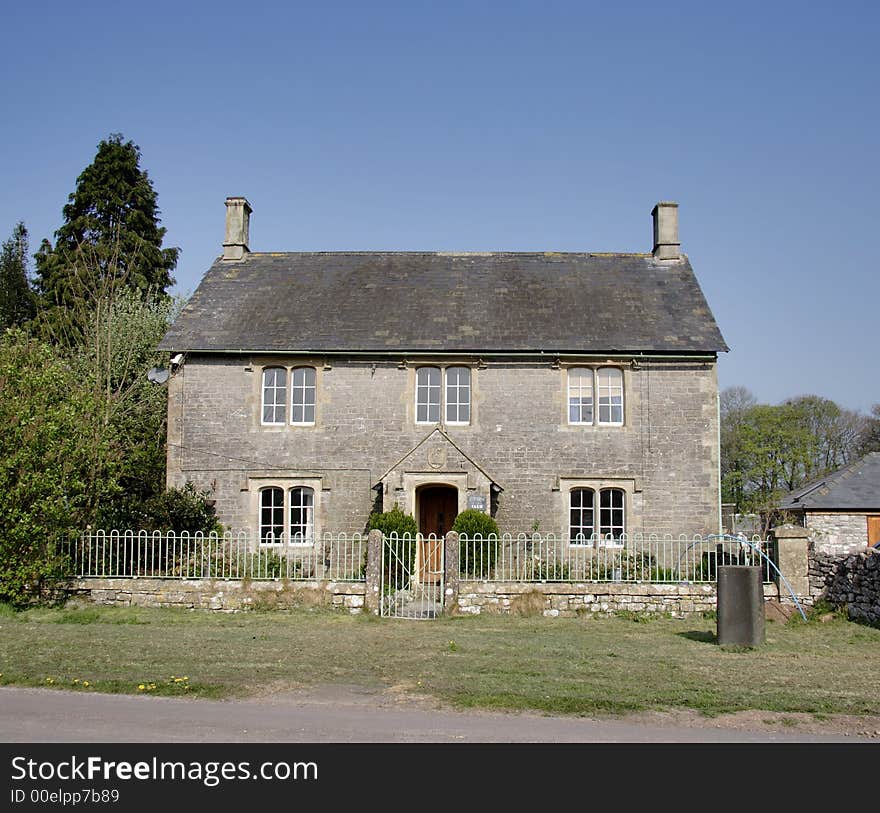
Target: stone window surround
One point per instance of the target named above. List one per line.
(257, 484)
(628, 485)
(442, 367)
(596, 367)
(260, 366)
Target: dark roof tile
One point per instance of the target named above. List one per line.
(411, 301)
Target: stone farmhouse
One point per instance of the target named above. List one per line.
(572, 393)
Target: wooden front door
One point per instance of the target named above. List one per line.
(438, 508)
(873, 531)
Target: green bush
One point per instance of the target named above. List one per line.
(476, 557)
(400, 555)
(392, 522)
(181, 509)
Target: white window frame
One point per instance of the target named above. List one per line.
(291, 480)
(611, 391)
(276, 405)
(458, 387)
(309, 539)
(428, 387)
(305, 389)
(587, 538)
(443, 395)
(576, 374)
(598, 537)
(279, 539)
(612, 525)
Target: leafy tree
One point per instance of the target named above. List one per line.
(767, 451)
(834, 434)
(869, 435)
(48, 482)
(113, 216)
(734, 405)
(17, 304)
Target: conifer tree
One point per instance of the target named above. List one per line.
(17, 304)
(112, 218)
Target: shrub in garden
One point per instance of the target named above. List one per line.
(400, 553)
(477, 551)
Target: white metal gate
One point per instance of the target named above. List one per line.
(412, 576)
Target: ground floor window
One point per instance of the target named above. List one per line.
(586, 504)
(287, 517)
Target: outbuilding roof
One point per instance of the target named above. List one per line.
(447, 302)
(855, 487)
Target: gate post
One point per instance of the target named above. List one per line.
(373, 574)
(793, 546)
(450, 574)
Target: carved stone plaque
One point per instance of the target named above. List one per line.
(437, 457)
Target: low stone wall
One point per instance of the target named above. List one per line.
(566, 600)
(823, 570)
(850, 581)
(217, 594)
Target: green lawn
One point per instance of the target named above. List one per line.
(569, 666)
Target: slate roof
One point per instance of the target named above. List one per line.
(421, 301)
(855, 487)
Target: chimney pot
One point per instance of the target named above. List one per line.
(666, 243)
(238, 219)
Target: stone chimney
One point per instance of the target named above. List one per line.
(666, 244)
(238, 221)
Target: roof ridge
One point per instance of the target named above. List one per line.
(455, 253)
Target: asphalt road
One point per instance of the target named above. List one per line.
(330, 714)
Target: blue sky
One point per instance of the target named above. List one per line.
(492, 126)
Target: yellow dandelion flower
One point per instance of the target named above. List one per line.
(141, 686)
(85, 683)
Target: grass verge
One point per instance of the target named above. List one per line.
(559, 666)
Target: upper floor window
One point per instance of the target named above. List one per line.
(428, 395)
(610, 395)
(607, 383)
(274, 395)
(458, 395)
(580, 395)
(443, 391)
(302, 395)
(303, 388)
(586, 506)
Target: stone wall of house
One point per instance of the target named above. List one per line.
(851, 581)
(566, 600)
(665, 456)
(217, 595)
(838, 533)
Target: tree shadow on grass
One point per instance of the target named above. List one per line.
(701, 636)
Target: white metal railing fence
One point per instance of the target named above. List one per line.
(638, 557)
(230, 555)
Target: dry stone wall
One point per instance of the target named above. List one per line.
(851, 581)
(567, 600)
(220, 596)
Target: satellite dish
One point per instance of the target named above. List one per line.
(158, 375)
